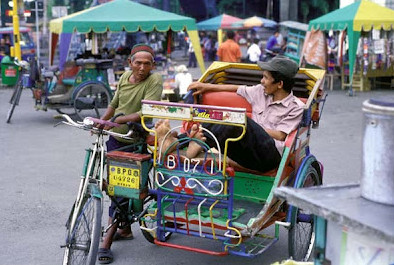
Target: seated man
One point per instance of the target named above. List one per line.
(275, 113)
(133, 86)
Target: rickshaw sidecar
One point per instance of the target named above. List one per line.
(210, 196)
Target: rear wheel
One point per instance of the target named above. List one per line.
(91, 100)
(16, 95)
(301, 232)
(83, 238)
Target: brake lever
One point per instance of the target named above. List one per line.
(117, 115)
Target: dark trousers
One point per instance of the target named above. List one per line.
(256, 150)
(192, 60)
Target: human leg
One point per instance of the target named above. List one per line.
(194, 148)
(105, 255)
(256, 150)
(162, 127)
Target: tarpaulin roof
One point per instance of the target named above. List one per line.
(126, 15)
(121, 15)
(223, 21)
(361, 15)
(354, 18)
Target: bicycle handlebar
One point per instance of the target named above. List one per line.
(88, 125)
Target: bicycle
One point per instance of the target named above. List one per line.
(84, 222)
(23, 82)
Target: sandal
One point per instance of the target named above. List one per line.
(105, 256)
(117, 237)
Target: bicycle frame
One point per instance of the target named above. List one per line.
(90, 157)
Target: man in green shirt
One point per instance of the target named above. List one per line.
(134, 85)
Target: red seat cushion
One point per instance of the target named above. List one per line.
(226, 99)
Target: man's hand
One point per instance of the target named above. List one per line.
(198, 87)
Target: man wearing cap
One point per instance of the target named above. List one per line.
(275, 113)
(134, 85)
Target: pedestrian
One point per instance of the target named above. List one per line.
(272, 43)
(254, 51)
(135, 85)
(192, 56)
(182, 81)
(208, 48)
(229, 51)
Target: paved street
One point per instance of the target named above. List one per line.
(40, 166)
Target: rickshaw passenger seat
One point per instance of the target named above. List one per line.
(226, 99)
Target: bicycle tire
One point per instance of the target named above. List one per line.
(91, 99)
(301, 232)
(14, 100)
(147, 221)
(83, 238)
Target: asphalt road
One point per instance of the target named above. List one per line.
(40, 166)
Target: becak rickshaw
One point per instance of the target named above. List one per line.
(210, 196)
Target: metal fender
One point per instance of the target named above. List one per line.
(95, 191)
(309, 160)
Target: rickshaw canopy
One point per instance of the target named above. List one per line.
(125, 15)
(360, 16)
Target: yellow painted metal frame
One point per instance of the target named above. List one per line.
(243, 126)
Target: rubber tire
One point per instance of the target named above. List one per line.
(89, 256)
(16, 95)
(293, 244)
(81, 89)
(147, 202)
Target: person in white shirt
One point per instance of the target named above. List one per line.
(254, 52)
(182, 80)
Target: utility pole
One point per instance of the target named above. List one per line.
(37, 29)
(15, 23)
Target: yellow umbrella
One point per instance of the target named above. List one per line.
(258, 22)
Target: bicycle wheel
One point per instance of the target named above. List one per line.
(301, 233)
(91, 100)
(16, 95)
(83, 238)
(147, 220)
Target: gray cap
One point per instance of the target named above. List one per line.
(281, 64)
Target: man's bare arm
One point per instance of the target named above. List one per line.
(278, 135)
(201, 88)
(109, 113)
(133, 117)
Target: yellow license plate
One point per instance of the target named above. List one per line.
(124, 177)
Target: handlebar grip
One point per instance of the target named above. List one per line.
(104, 122)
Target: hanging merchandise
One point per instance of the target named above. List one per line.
(365, 56)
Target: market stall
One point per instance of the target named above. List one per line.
(295, 33)
(367, 34)
(118, 16)
(218, 23)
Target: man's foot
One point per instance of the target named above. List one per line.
(194, 147)
(162, 127)
(105, 256)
